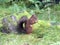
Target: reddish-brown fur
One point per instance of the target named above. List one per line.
(29, 23)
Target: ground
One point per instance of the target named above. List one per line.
(44, 33)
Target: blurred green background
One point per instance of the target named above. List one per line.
(45, 32)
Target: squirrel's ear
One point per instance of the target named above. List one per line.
(33, 15)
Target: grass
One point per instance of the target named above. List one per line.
(44, 33)
(49, 38)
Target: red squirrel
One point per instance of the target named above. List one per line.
(29, 23)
